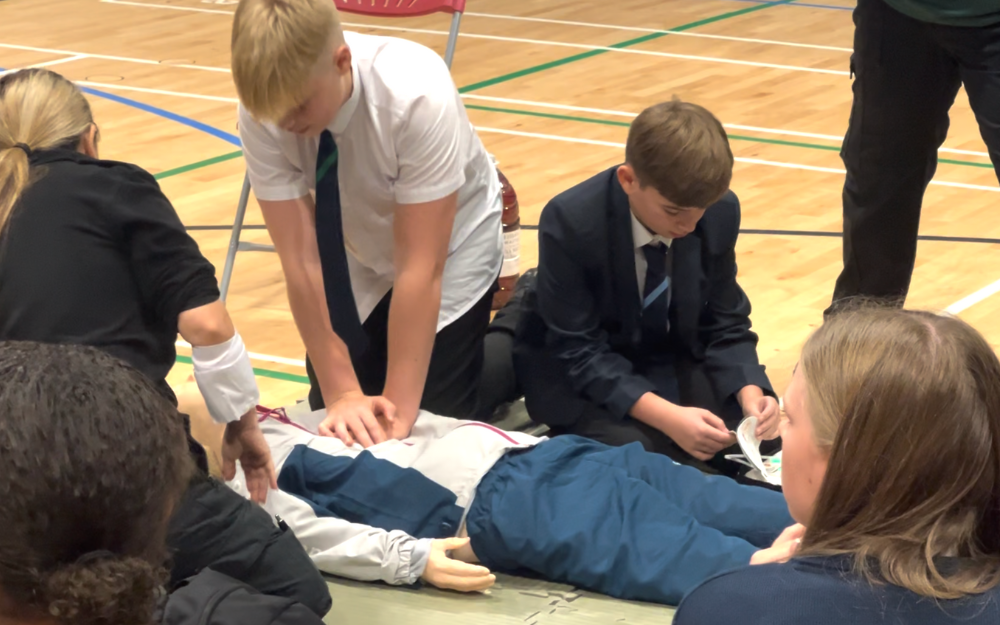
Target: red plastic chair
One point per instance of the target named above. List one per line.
(381, 8)
(411, 8)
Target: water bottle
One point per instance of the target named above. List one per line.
(511, 220)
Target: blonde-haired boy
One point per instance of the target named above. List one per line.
(391, 266)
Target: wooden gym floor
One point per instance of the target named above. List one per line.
(551, 85)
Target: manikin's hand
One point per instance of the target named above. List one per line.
(449, 574)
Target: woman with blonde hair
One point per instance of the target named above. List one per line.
(92, 253)
(891, 462)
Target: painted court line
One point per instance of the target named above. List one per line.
(118, 87)
(602, 49)
(197, 96)
(155, 110)
(750, 161)
(732, 136)
(626, 114)
(199, 165)
(630, 115)
(806, 5)
(263, 373)
(167, 6)
(262, 357)
(543, 20)
(591, 49)
(971, 300)
(531, 19)
(70, 59)
(624, 44)
(110, 57)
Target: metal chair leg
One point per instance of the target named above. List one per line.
(234, 239)
(449, 51)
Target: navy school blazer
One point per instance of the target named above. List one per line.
(580, 334)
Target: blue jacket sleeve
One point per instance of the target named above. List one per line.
(571, 313)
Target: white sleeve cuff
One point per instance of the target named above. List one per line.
(225, 378)
(418, 559)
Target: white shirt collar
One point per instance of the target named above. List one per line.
(347, 110)
(642, 236)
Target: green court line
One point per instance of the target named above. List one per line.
(624, 44)
(264, 373)
(193, 166)
(610, 122)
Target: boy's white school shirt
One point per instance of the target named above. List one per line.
(403, 137)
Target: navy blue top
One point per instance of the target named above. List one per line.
(822, 591)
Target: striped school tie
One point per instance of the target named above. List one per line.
(656, 293)
(333, 251)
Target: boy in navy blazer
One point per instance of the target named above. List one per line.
(635, 329)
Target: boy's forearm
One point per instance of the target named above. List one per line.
(328, 354)
(413, 317)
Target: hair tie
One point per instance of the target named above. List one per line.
(24, 147)
(95, 556)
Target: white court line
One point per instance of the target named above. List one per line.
(975, 298)
(753, 161)
(630, 115)
(262, 357)
(114, 87)
(168, 6)
(78, 57)
(582, 46)
(110, 57)
(541, 42)
(682, 33)
(535, 19)
(738, 159)
(565, 107)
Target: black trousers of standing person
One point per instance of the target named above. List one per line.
(455, 368)
(906, 76)
(214, 527)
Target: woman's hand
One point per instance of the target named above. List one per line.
(245, 442)
(784, 547)
(449, 574)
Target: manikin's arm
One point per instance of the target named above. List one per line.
(366, 553)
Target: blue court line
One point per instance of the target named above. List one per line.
(801, 4)
(187, 121)
(180, 119)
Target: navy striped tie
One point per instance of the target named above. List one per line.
(333, 251)
(656, 293)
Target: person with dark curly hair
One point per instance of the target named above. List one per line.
(83, 539)
(94, 462)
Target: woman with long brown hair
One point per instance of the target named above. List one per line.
(891, 463)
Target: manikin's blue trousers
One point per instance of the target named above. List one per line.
(618, 520)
